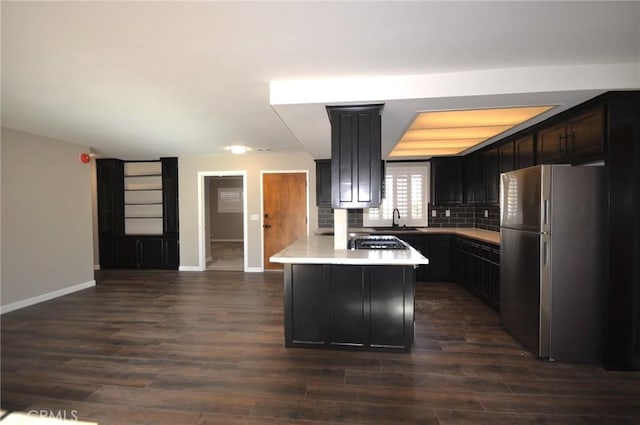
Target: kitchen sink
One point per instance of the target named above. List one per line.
(377, 242)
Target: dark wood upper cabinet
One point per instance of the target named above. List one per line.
(585, 134)
(492, 176)
(446, 181)
(524, 151)
(356, 160)
(469, 163)
(507, 157)
(551, 144)
(577, 139)
(323, 183)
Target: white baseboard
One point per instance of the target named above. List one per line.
(45, 297)
(254, 270)
(189, 269)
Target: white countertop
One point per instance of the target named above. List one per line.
(319, 250)
(469, 232)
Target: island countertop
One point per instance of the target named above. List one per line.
(320, 250)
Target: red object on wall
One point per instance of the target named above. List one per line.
(85, 157)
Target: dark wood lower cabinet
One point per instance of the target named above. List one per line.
(143, 252)
(476, 266)
(349, 307)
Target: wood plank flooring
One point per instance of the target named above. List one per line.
(188, 348)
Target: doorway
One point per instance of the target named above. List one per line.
(222, 220)
(225, 223)
(284, 211)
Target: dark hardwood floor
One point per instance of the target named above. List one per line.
(207, 348)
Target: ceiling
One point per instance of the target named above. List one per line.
(138, 80)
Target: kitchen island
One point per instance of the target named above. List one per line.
(361, 299)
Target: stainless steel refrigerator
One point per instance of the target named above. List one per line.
(552, 284)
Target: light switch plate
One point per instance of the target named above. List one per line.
(447, 213)
(486, 213)
(434, 213)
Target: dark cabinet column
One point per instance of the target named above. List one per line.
(170, 197)
(622, 334)
(356, 159)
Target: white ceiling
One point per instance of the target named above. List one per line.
(147, 79)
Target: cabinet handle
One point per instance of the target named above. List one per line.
(266, 226)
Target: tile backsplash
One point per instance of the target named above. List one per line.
(459, 216)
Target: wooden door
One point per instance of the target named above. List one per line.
(285, 212)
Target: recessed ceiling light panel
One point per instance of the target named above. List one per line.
(453, 132)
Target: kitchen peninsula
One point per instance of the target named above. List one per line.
(360, 299)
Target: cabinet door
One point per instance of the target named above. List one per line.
(585, 134)
(391, 309)
(446, 181)
(469, 179)
(480, 186)
(438, 251)
(150, 253)
(305, 300)
(356, 161)
(171, 254)
(551, 144)
(493, 176)
(524, 152)
(107, 251)
(349, 311)
(323, 183)
(127, 252)
(507, 157)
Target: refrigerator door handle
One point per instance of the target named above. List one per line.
(545, 213)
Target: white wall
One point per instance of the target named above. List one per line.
(253, 163)
(47, 237)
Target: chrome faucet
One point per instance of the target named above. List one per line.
(394, 212)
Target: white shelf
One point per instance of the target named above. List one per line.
(137, 197)
(143, 211)
(143, 226)
(153, 168)
(143, 183)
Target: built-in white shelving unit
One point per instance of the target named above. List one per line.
(143, 198)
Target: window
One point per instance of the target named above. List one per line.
(407, 189)
(230, 200)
